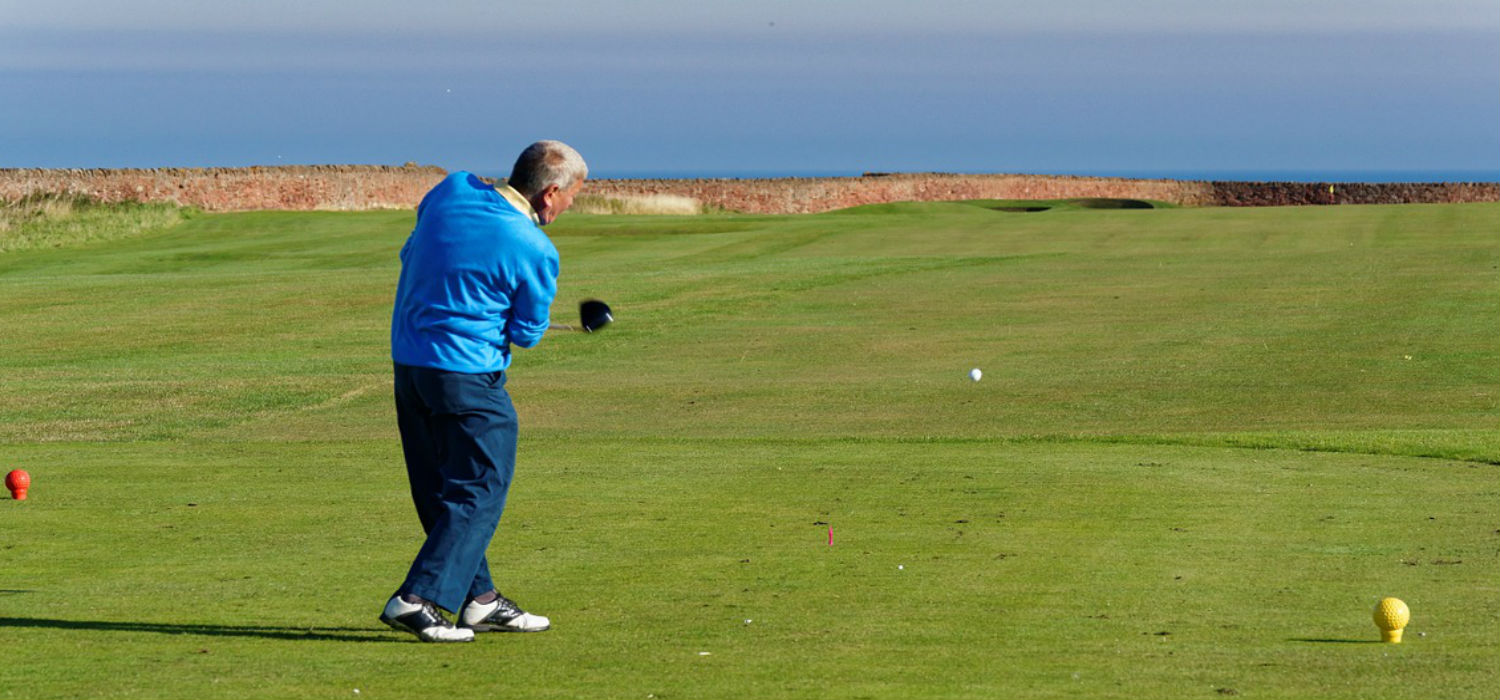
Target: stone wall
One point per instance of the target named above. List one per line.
(1282, 194)
(805, 195)
(358, 187)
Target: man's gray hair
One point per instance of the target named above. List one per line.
(547, 163)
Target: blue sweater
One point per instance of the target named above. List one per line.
(477, 276)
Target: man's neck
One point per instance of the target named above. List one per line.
(519, 201)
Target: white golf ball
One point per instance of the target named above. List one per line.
(975, 374)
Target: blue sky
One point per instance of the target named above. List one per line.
(668, 86)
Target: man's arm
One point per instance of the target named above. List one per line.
(536, 286)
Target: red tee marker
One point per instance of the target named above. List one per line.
(18, 482)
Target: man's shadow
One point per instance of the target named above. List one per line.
(323, 634)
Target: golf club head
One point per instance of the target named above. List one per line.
(594, 314)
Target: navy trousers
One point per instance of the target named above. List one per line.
(458, 433)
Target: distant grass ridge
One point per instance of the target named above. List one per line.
(57, 221)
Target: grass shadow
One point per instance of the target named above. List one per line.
(325, 634)
(1022, 209)
(1309, 640)
(1111, 203)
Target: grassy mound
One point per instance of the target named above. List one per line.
(57, 221)
(655, 204)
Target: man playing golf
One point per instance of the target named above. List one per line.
(477, 276)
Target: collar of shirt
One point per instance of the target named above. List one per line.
(516, 200)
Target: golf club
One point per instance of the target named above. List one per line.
(593, 315)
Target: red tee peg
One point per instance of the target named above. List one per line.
(18, 482)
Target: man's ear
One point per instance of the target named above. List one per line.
(543, 200)
(539, 200)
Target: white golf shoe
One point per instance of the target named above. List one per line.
(424, 620)
(500, 615)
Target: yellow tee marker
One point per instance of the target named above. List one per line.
(1391, 616)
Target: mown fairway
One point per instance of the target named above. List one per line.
(1206, 442)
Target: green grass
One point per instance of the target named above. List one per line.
(1206, 442)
